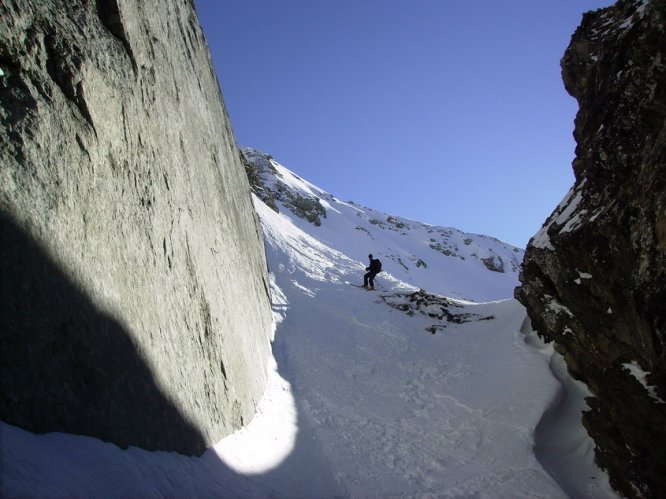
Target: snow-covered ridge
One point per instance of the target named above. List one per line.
(444, 260)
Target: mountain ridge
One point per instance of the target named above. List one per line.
(421, 254)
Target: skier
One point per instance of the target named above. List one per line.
(374, 269)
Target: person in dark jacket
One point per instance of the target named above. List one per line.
(373, 269)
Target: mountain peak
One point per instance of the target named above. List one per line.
(443, 259)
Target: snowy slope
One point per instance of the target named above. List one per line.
(441, 259)
(395, 392)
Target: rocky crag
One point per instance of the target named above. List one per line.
(133, 299)
(594, 277)
(261, 173)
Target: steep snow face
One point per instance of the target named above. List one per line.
(441, 259)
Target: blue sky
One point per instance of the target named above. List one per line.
(448, 112)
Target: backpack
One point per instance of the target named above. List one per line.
(377, 265)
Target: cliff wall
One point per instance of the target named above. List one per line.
(133, 299)
(594, 277)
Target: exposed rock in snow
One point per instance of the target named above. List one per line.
(441, 309)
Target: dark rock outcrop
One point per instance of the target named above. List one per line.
(262, 174)
(133, 290)
(439, 308)
(594, 277)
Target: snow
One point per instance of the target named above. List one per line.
(568, 207)
(556, 307)
(542, 240)
(562, 216)
(640, 10)
(596, 214)
(581, 276)
(557, 438)
(269, 438)
(453, 259)
(641, 375)
(628, 23)
(364, 400)
(294, 181)
(565, 216)
(573, 223)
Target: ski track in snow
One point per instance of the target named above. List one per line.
(362, 402)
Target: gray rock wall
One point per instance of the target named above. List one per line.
(133, 291)
(594, 277)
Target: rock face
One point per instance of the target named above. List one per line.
(261, 173)
(133, 299)
(594, 277)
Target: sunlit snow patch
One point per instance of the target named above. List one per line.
(270, 437)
